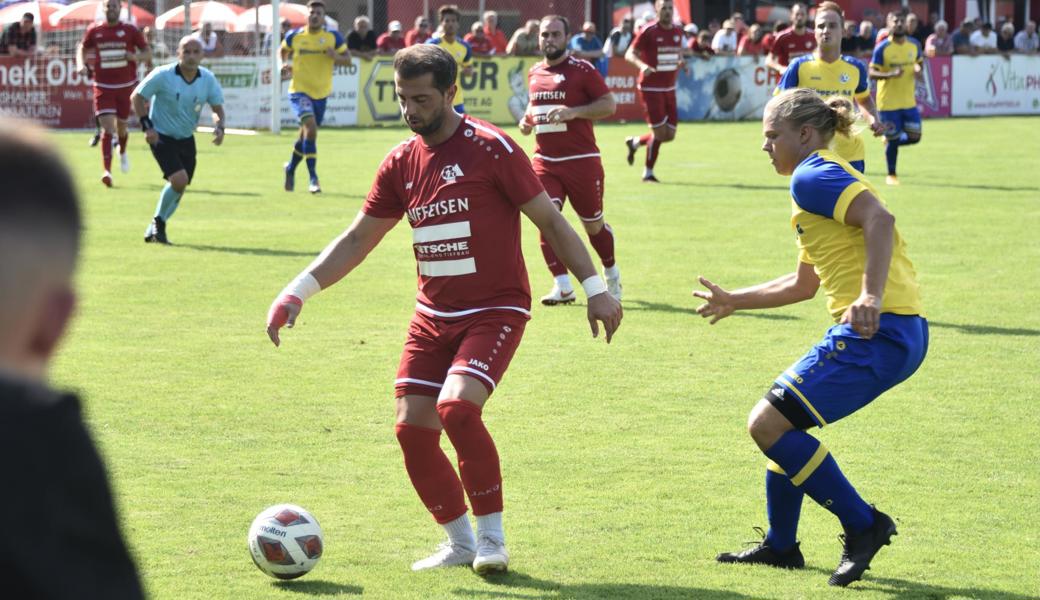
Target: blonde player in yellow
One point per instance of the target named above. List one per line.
(314, 52)
(830, 73)
(449, 40)
(849, 245)
(897, 66)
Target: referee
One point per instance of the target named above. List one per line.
(177, 93)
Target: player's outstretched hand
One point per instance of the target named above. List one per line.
(604, 308)
(218, 136)
(284, 311)
(151, 136)
(560, 114)
(864, 315)
(877, 127)
(719, 302)
(525, 125)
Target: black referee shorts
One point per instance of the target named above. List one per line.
(173, 155)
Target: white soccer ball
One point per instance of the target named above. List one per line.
(285, 541)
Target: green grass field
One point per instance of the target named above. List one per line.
(627, 467)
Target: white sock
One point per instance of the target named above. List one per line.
(564, 283)
(647, 172)
(611, 272)
(460, 532)
(491, 526)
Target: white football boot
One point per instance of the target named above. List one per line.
(558, 296)
(447, 555)
(492, 556)
(124, 162)
(614, 286)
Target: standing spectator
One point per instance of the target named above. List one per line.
(1006, 39)
(496, 36)
(926, 29)
(362, 40)
(913, 27)
(525, 41)
(1027, 41)
(478, 42)
(939, 43)
(848, 38)
(962, 38)
(984, 41)
(739, 25)
(700, 45)
(753, 44)
(57, 486)
(286, 28)
(419, 34)
(620, 37)
(391, 41)
(587, 45)
(210, 41)
(794, 42)
(770, 38)
(20, 37)
(724, 43)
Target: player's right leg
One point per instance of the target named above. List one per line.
(584, 182)
(420, 377)
(562, 291)
(109, 132)
(176, 159)
(303, 108)
(122, 101)
(97, 132)
(894, 137)
(310, 144)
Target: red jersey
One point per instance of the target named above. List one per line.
(662, 49)
(414, 36)
(481, 45)
(111, 43)
(573, 82)
(789, 45)
(462, 199)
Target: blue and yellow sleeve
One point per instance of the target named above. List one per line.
(863, 87)
(288, 41)
(469, 53)
(826, 189)
(339, 42)
(789, 79)
(878, 58)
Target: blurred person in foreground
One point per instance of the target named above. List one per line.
(63, 539)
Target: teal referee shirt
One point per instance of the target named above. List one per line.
(177, 103)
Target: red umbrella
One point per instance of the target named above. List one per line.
(88, 12)
(296, 14)
(220, 15)
(41, 11)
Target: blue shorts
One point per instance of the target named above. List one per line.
(844, 372)
(305, 106)
(898, 121)
(859, 165)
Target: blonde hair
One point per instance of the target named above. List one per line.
(832, 7)
(802, 106)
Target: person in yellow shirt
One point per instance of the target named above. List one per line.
(314, 52)
(828, 72)
(455, 46)
(849, 245)
(897, 66)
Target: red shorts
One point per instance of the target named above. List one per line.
(661, 109)
(478, 345)
(580, 180)
(113, 101)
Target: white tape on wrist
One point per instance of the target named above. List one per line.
(303, 287)
(594, 285)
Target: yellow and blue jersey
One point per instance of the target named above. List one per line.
(896, 93)
(312, 66)
(460, 51)
(822, 188)
(846, 76)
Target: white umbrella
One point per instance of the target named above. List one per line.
(219, 15)
(296, 14)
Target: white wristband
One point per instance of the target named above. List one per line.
(594, 285)
(303, 287)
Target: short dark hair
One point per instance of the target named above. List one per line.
(39, 197)
(560, 18)
(314, 3)
(29, 16)
(416, 61)
(448, 9)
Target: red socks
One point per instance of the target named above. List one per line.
(603, 243)
(122, 143)
(478, 458)
(106, 150)
(431, 473)
(551, 260)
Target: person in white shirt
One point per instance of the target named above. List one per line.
(984, 41)
(1027, 41)
(725, 41)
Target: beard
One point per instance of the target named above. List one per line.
(555, 55)
(431, 127)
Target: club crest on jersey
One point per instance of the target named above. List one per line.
(559, 78)
(844, 78)
(451, 172)
(120, 33)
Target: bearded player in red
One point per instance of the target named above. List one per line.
(566, 95)
(462, 184)
(117, 48)
(658, 52)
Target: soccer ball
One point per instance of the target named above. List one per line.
(285, 541)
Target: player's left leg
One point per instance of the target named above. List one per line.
(122, 114)
(97, 132)
(109, 131)
(177, 160)
(310, 144)
(303, 107)
(584, 181)
(895, 136)
(562, 291)
(491, 339)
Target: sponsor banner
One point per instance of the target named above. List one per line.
(621, 79)
(46, 90)
(730, 88)
(933, 91)
(996, 85)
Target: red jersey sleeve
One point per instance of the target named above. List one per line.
(515, 177)
(386, 198)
